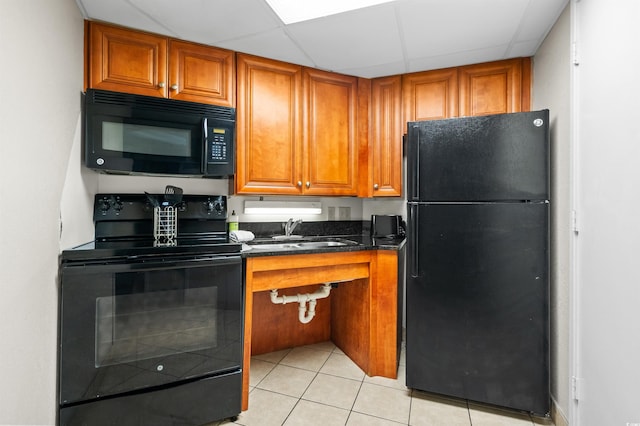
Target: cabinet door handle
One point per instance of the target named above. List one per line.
(375, 186)
(300, 183)
(161, 84)
(174, 87)
(308, 184)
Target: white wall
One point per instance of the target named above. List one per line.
(41, 47)
(551, 90)
(607, 280)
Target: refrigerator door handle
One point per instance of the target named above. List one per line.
(413, 239)
(416, 168)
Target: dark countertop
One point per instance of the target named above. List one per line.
(357, 233)
(354, 243)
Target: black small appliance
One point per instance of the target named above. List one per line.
(134, 134)
(387, 226)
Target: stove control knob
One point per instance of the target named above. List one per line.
(213, 206)
(105, 205)
(118, 205)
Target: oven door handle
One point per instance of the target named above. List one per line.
(138, 264)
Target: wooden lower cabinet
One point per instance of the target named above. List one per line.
(359, 316)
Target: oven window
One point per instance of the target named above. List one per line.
(148, 318)
(150, 140)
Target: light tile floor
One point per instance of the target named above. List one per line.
(320, 385)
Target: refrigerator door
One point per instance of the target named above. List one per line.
(477, 312)
(490, 158)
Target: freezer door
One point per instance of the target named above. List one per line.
(490, 158)
(477, 303)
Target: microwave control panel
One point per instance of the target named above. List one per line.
(219, 140)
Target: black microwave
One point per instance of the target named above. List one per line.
(134, 134)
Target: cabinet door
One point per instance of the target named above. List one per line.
(430, 95)
(331, 149)
(269, 142)
(200, 73)
(386, 136)
(493, 88)
(127, 61)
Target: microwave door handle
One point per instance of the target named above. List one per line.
(205, 154)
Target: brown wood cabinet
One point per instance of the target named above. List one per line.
(269, 127)
(124, 60)
(430, 95)
(296, 130)
(360, 315)
(330, 140)
(495, 87)
(487, 88)
(385, 178)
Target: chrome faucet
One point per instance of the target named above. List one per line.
(290, 226)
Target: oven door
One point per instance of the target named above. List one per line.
(130, 326)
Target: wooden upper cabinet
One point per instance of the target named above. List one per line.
(200, 73)
(296, 130)
(430, 95)
(330, 138)
(386, 137)
(130, 61)
(269, 131)
(495, 87)
(487, 88)
(122, 60)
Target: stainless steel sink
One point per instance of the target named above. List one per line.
(301, 245)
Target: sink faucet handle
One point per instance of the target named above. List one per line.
(291, 225)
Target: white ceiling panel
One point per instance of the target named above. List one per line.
(274, 44)
(389, 68)
(350, 48)
(390, 38)
(522, 48)
(538, 14)
(211, 21)
(441, 27)
(457, 59)
(121, 12)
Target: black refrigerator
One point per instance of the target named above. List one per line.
(477, 296)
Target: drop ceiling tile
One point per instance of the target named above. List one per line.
(437, 27)
(539, 18)
(392, 68)
(274, 44)
(362, 38)
(457, 59)
(209, 22)
(524, 48)
(122, 13)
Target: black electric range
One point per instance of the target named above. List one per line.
(151, 329)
